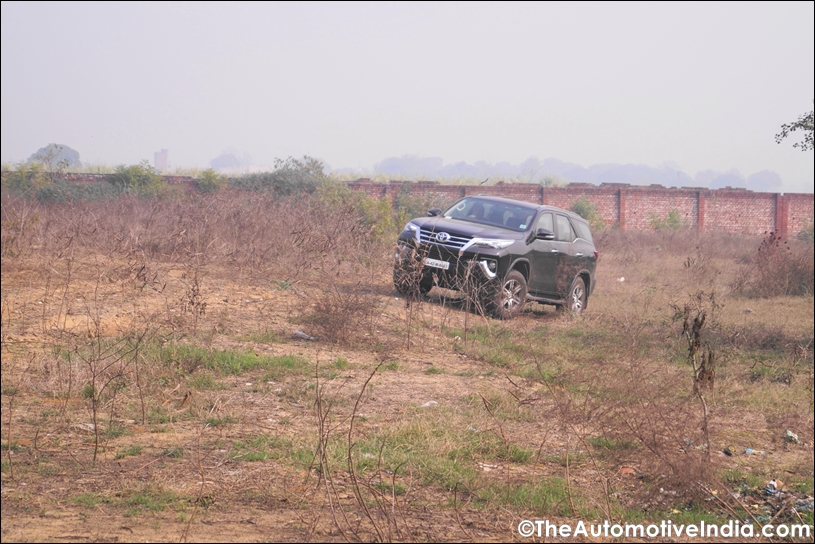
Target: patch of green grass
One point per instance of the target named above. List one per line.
(432, 369)
(15, 447)
(220, 421)
(392, 366)
(545, 498)
(9, 390)
(736, 477)
(389, 489)
(153, 499)
(204, 382)
(263, 447)
(90, 500)
(128, 452)
(571, 459)
(46, 469)
(159, 414)
(606, 443)
(803, 486)
(341, 363)
(437, 447)
(228, 362)
(115, 430)
(173, 453)
(88, 391)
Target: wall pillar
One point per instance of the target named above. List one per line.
(781, 215)
(621, 209)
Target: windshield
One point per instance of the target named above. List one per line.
(489, 212)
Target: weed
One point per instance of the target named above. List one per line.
(220, 421)
(204, 382)
(341, 363)
(89, 500)
(128, 452)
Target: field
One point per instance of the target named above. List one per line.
(230, 366)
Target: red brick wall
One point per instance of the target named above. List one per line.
(636, 207)
(800, 213)
(646, 207)
(741, 211)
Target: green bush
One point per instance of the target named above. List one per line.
(140, 179)
(26, 177)
(672, 221)
(587, 209)
(210, 181)
(290, 176)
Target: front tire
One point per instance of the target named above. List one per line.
(510, 296)
(411, 281)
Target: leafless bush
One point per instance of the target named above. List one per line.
(779, 268)
(341, 314)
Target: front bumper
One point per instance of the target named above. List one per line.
(483, 265)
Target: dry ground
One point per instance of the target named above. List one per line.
(467, 425)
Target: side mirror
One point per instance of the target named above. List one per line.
(433, 212)
(545, 234)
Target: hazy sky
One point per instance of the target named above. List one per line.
(698, 86)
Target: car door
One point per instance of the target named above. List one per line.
(545, 257)
(568, 266)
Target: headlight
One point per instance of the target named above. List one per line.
(493, 243)
(414, 228)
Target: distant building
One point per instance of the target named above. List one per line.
(162, 160)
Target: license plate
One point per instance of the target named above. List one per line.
(444, 265)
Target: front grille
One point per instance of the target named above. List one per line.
(454, 243)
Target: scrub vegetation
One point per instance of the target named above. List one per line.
(234, 364)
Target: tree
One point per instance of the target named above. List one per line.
(804, 123)
(56, 157)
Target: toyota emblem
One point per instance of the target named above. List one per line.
(442, 237)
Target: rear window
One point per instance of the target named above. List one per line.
(583, 231)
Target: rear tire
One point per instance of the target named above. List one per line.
(510, 296)
(576, 300)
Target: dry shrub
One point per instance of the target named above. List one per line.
(323, 246)
(648, 417)
(779, 268)
(341, 315)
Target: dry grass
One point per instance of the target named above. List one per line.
(152, 386)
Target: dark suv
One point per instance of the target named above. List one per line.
(503, 251)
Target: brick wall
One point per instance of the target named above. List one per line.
(636, 207)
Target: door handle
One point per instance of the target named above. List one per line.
(578, 254)
(555, 251)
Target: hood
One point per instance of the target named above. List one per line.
(466, 228)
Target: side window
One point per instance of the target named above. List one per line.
(565, 232)
(545, 222)
(583, 231)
